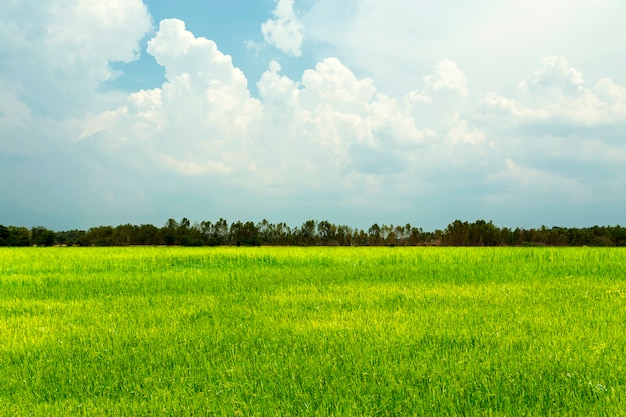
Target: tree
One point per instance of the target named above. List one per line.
(221, 232)
(327, 232)
(71, 237)
(344, 235)
(123, 235)
(283, 234)
(457, 234)
(484, 234)
(41, 236)
(506, 236)
(416, 235)
(170, 232)
(245, 234)
(266, 231)
(214, 234)
(4, 235)
(618, 234)
(388, 235)
(100, 236)
(148, 234)
(183, 232)
(307, 232)
(374, 235)
(18, 236)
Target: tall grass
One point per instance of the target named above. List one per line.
(313, 331)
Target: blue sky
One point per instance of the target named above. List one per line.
(363, 111)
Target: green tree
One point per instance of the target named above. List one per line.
(170, 232)
(245, 234)
(307, 232)
(344, 235)
(266, 231)
(375, 237)
(18, 236)
(148, 234)
(41, 236)
(327, 232)
(4, 235)
(283, 234)
(618, 234)
(457, 234)
(183, 232)
(416, 235)
(100, 236)
(124, 234)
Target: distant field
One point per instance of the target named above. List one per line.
(313, 331)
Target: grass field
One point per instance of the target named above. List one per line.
(313, 331)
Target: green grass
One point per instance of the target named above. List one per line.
(313, 331)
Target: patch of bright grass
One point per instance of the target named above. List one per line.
(317, 331)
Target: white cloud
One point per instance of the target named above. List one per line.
(496, 43)
(331, 139)
(198, 121)
(614, 95)
(276, 89)
(284, 31)
(439, 103)
(447, 76)
(86, 36)
(524, 182)
(556, 97)
(332, 83)
(188, 166)
(461, 133)
(333, 134)
(54, 56)
(59, 52)
(13, 112)
(555, 78)
(203, 121)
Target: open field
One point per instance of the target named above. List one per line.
(313, 331)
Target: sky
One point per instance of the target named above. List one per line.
(357, 112)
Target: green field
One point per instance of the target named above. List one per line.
(313, 331)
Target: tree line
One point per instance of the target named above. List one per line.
(312, 233)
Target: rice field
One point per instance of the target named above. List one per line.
(313, 331)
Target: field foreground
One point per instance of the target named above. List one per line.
(313, 331)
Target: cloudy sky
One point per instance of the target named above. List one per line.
(359, 111)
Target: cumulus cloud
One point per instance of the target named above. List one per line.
(54, 57)
(308, 133)
(461, 133)
(328, 139)
(333, 135)
(58, 53)
(524, 182)
(496, 43)
(284, 31)
(558, 136)
(441, 100)
(447, 76)
(197, 120)
(555, 78)
(86, 36)
(556, 96)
